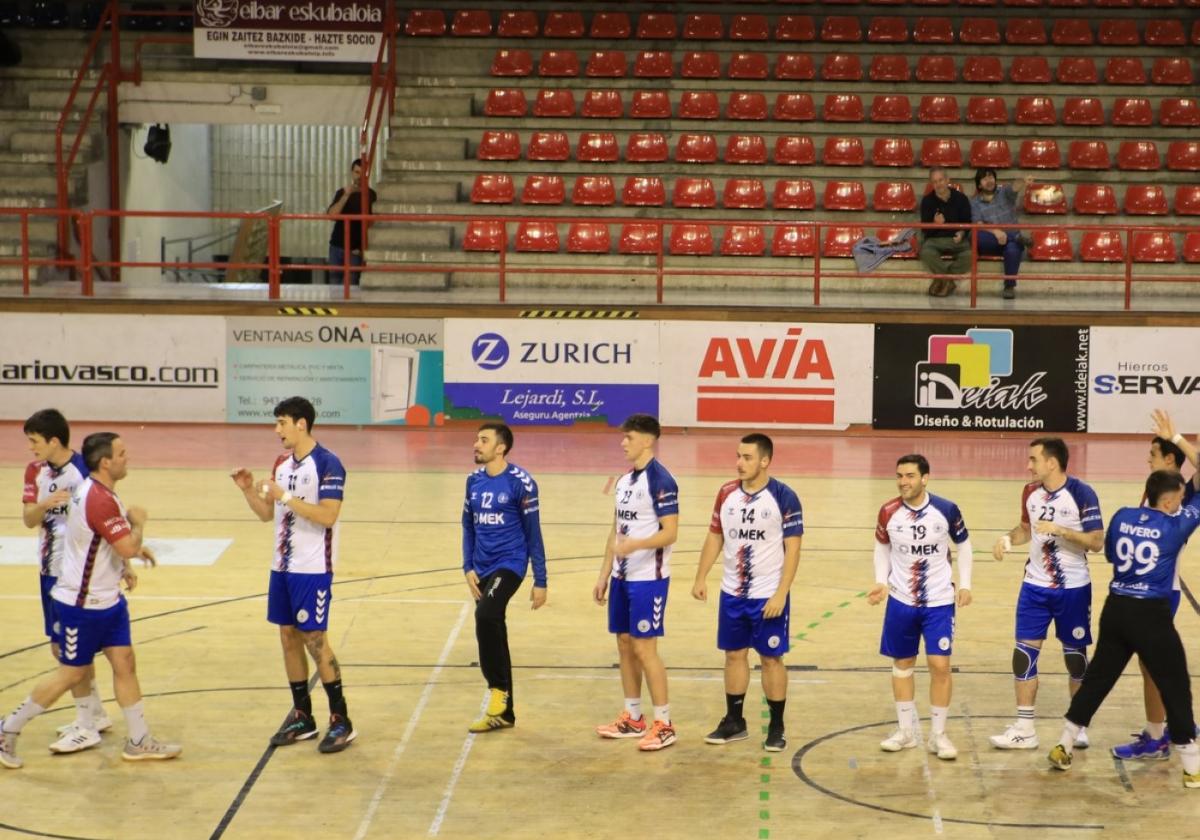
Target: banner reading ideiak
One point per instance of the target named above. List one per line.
(288, 30)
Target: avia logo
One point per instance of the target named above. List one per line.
(490, 351)
(754, 380)
(968, 371)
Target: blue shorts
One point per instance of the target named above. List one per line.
(1071, 610)
(740, 625)
(637, 607)
(300, 600)
(50, 608)
(904, 626)
(1176, 596)
(87, 632)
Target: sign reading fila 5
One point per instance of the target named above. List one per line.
(753, 374)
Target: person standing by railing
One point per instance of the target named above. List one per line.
(348, 200)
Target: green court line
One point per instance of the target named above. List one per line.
(826, 615)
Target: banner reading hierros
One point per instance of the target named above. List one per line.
(288, 30)
(981, 378)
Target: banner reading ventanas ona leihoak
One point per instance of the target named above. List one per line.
(288, 30)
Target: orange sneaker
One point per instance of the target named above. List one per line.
(623, 727)
(660, 736)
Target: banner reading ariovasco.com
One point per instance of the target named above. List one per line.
(288, 30)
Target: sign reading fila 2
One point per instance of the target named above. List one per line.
(771, 375)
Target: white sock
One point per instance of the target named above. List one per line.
(906, 714)
(135, 720)
(1189, 754)
(937, 718)
(663, 713)
(21, 715)
(83, 713)
(633, 705)
(96, 703)
(1069, 734)
(1156, 730)
(1025, 720)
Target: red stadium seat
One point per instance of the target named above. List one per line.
(794, 241)
(746, 148)
(892, 151)
(887, 30)
(1172, 71)
(1088, 154)
(889, 68)
(940, 151)
(541, 237)
(793, 150)
(1113, 4)
(640, 238)
(492, 188)
(1191, 247)
(472, 23)
(1124, 71)
(1119, 32)
(512, 63)
(499, 145)
(519, 24)
(1072, 32)
(1183, 156)
(1035, 110)
(588, 238)
(894, 197)
(744, 241)
(699, 105)
(749, 28)
(979, 31)
(987, 110)
(484, 236)
(1029, 70)
(1153, 246)
(610, 25)
(597, 147)
(993, 153)
(794, 194)
(656, 26)
(933, 30)
(549, 145)
(1146, 200)
(841, 29)
(563, 25)
(1174, 111)
(646, 148)
(1196, 33)
(794, 107)
(643, 191)
(1165, 33)
(505, 102)
(594, 190)
(544, 189)
(1102, 246)
(840, 239)
(1139, 155)
(1187, 200)
(1052, 245)
(701, 65)
(691, 240)
(749, 66)
(891, 108)
(983, 69)
(1083, 111)
(653, 64)
(554, 103)
(703, 28)
(606, 64)
(650, 105)
(841, 67)
(1095, 200)
(1070, 4)
(696, 148)
(603, 104)
(1058, 208)
(842, 107)
(1076, 71)
(744, 194)
(746, 106)
(1039, 154)
(425, 23)
(797, 67)
(887, 234)
(1025, 32)
(1135, 111)
(938, 109)
(558, 64)
(796, 28)
(843, 151)
(935, 68)
(1023, 3)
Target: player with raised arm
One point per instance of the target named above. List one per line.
(913, 536)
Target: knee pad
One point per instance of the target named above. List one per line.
(902, 673)
(1024, 662)
(1077, 661)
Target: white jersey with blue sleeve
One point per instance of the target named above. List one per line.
(42, 480)
(1143, 544)
(301, 545)
(643, 497)
(1053, 562)
(754, 526)
(918, 541)
(502, 526)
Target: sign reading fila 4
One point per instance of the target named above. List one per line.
(778, 375)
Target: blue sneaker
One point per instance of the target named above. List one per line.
(1143, 746)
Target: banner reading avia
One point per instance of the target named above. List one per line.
(998, 378)
(1135, 370)
(288, 30)
(551, 373)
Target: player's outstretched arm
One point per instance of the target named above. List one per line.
(262, 507)
(1019, 535)
(1164, 427)
(709, 552)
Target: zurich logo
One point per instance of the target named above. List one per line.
(490, 351)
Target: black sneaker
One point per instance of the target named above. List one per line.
(296, 727)
(341, 733)
(728, 730)
(775, 741)
(1009, 292)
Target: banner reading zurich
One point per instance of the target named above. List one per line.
(989, 378)
(551, 373)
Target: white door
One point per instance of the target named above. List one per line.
(393, 382)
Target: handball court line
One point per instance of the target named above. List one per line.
(468, 742)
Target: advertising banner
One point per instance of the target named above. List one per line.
(113, 367)
(553, 373)
(1135, 370)
(288, 30)
(777, 375)
(355, 371)
(1004, 379)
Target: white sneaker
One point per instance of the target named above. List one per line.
(8, 750)
(102, 724)
(940, 745)
(1081, 740)
(75, 739)
(1015, 739)
(901, 739)
(150, 749)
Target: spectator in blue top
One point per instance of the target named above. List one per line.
(997, 205)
